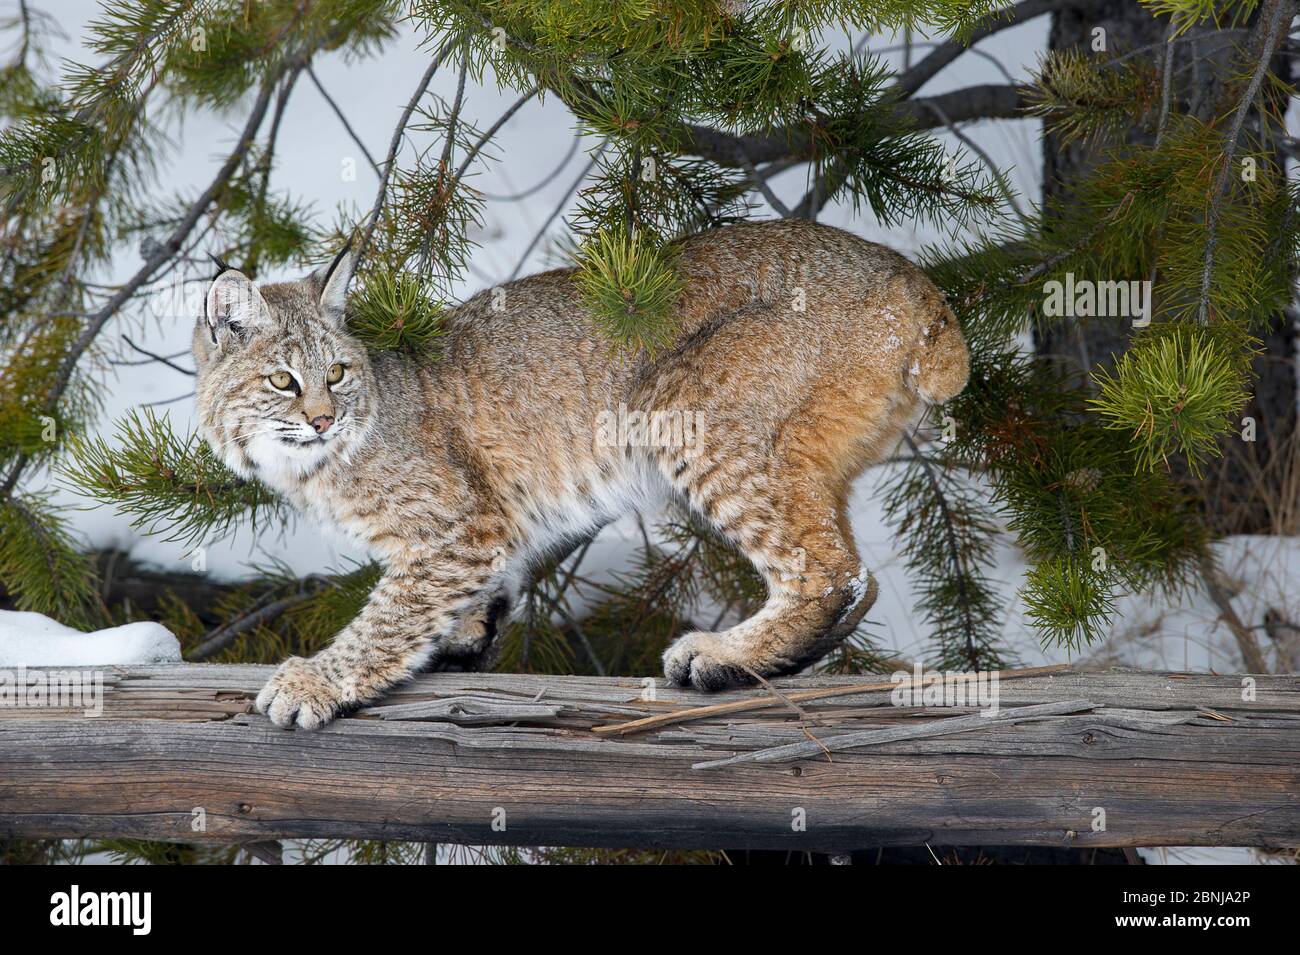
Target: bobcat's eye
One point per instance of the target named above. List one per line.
(282, 380)
(335, 374)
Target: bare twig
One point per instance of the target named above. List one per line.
(124, 363)
(224, 636)
(992, 167)
(1270, 34)
(311, 74)
(168, 401)
(760, 182)
(396, 144)
(578, 632)
(946, 727)
(763, 703)
(1166, 84)
(541, 184)
(1251, 654)
(492, 131)
(555, 213)
(268, 158)
(158, 358)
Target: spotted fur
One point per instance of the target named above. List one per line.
(801, 354)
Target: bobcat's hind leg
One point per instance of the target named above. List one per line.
(798, 538)
(475, 642)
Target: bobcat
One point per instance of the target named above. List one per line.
(802, 351)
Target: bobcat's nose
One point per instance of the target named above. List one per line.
(322, 423)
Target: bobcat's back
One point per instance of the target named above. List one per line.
(864, 300)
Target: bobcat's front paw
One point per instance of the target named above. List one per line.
(299, 694)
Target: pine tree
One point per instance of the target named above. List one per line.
(1090, 469)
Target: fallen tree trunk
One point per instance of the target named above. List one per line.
(177, 754)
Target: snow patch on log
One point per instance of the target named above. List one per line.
(33, 639)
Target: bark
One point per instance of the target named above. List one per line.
(501, 759)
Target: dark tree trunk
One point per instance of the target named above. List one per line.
(1246, 492)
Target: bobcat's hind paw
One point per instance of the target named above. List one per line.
(300, 694)
(690, 662)
(475, 643)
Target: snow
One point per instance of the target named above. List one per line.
(33, 639)
(1212, 855)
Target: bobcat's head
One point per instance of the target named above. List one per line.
(282, 386)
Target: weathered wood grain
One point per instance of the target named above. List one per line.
(1165, 759)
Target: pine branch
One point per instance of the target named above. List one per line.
(984, 157)
(491, 131)
(556, 211)
(266, 161)
(929, 66)
(984, 101)
(161, 254)
(41, 566)
(1269, 34)
(945, 538)
(396, 144)
(172, 486)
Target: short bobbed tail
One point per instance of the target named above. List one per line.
(940, 364)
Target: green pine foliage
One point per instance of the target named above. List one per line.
(1175, 390)
(630, 289)
(172, 486)
(140, 852)
(397, 311)
(1082, 102)
(42, 565)
(1085, 477)
(1184, 14)
(874, 160)
(947, 535)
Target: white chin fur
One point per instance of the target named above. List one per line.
(282, 465)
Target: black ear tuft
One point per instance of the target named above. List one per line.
(332, 282)
(347, 247)
(220, 263)
(221, 266)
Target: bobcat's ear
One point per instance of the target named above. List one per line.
(233, 304)
(333, 282)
